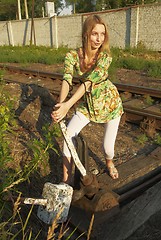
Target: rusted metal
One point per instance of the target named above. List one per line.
(153, 92)
(135, 191)
(82, 150)
(149, 127)
(140, 115)
(133, 113)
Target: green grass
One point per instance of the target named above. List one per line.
(13, 225)
(138, 58)
(32, 54)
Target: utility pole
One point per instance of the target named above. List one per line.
(103, 5)
(74, 3)
(26, 9)
(32, 25)
(19, 9)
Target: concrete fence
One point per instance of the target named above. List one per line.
(127, 27)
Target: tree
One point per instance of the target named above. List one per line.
(8, 9)
(39, 4)
(80, 6)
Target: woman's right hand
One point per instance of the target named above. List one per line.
(60, 111)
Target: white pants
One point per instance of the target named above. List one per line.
(79, 121)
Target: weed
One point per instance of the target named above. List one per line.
(137, 58)
(13, 225)
(158, 139)
(40, 149)
(32, 54)
(148, 99)
(142, 139)
(7, 125)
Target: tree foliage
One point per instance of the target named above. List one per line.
(9, 8)
(99, 5)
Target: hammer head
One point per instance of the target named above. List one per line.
(59, 198)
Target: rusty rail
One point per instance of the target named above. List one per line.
(121, 86)
(137, 189)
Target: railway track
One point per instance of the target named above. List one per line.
(137, 109)
(141, 104)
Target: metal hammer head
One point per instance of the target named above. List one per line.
(59, 198)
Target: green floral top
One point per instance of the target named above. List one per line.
(102, 103)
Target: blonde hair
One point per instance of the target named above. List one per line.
(88, 26)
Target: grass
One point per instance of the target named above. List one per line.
(138, 58)
(32, 54)
(15, 223)
(142, 139)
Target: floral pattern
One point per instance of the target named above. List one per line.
(102, 103)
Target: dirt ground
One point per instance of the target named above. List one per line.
(33, 108)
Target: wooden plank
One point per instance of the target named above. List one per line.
(132, 216)
(133, 170)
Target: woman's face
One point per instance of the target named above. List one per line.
(97, 36)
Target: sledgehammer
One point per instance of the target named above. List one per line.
(54, 204)
(60, 195)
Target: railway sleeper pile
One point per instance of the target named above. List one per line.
(136, 176)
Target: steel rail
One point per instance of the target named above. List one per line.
(153, 92)
(33, 72)
(137, 190)
(143, 112)
(131, 110)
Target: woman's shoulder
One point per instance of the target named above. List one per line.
(105, 55)
(72, 53)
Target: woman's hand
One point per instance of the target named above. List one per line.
(60, 111)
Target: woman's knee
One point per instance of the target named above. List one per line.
(109, 154)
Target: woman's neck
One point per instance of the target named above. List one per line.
(92, 54)
(87, 61)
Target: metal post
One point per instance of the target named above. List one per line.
(11, 39)
(56, 32)
(137, 26)
(32, 24)
(19, 9)
(26, 9)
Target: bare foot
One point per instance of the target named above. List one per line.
(112, 169)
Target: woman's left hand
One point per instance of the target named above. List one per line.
(60, 112)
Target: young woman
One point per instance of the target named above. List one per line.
(101, 102)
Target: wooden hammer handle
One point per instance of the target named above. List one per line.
(25, 200)
(71, 147)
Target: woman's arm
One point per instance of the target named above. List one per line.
(63, 107)
(64, 91)
(78, 94)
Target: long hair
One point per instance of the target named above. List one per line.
(88, 26)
